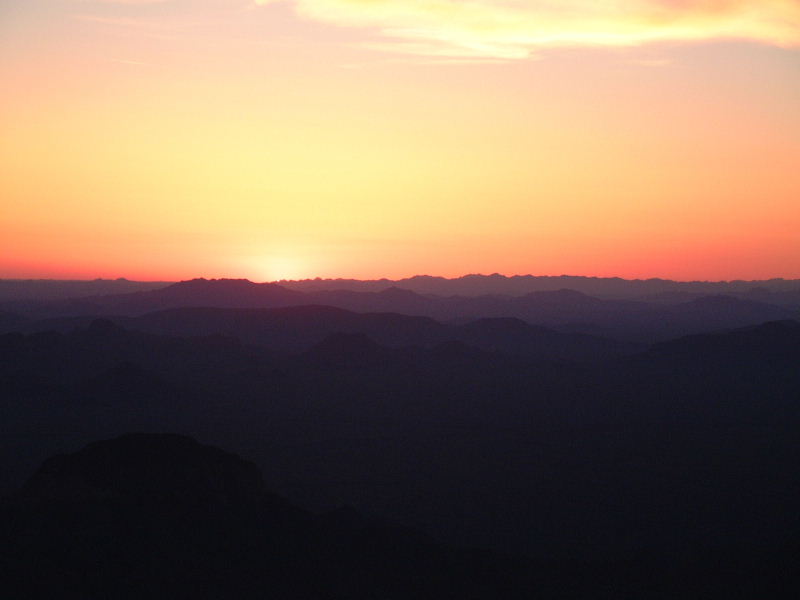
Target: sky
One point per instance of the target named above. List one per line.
(285, 139)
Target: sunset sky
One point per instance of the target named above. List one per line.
(170, 139)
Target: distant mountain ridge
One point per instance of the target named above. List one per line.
(297, 329)
(518, 285)
(776, 290)
(569, 311)
(227, 293)
(60, 289)
(349, 418)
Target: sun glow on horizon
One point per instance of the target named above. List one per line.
(282, 267)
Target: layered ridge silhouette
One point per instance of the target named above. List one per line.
(641, 451)
(588, 446)
(568, 310)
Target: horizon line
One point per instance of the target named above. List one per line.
(408, 278)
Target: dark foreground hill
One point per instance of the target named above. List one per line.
(688, 447)
(161, 516)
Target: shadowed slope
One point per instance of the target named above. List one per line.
(161, 516)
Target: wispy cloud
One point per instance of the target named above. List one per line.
(513, 29)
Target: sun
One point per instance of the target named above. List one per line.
(282, 267)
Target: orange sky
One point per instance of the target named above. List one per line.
(169, 139)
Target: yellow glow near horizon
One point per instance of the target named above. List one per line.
(282, 267)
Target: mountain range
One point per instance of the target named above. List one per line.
(639, 452)
(777, 290)
(567, 310)
(409, 444)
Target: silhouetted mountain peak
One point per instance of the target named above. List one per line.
(201, 284)
(716, 300)
(223, 293)
(396, 293)
(456, 349)
(347, 349)
(148, 467)
(347, 343)
(425, 278)
(128, 381)
(102, 327)
(501, 325)
(778, 338)
(563, 296)
(777, 330)
(721, 305)
(509, 323)
(781, 325)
